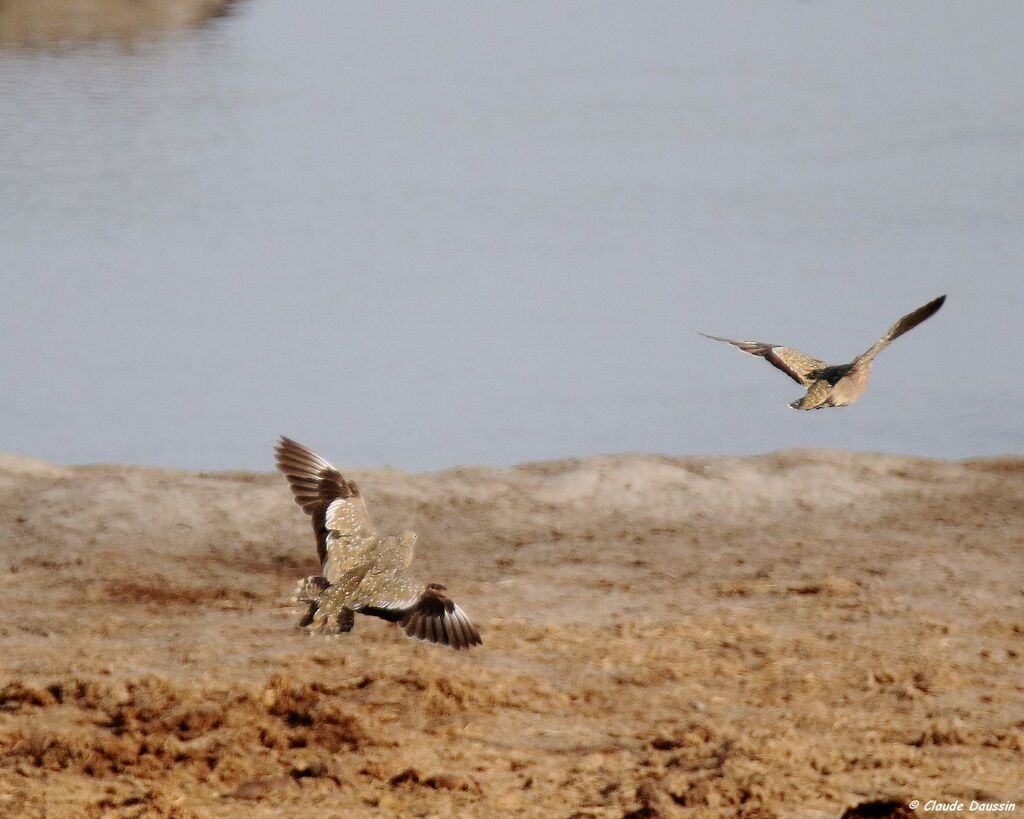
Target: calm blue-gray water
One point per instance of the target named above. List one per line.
(430, 234)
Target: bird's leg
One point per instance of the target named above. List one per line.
(331, 615)
(309, 590)
(307, 618)
(346, 620)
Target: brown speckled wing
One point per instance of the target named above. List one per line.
(797, 365)
(905, 324)
(430, 616)
(334, 503)
(387, 587)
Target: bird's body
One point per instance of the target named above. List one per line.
(363, 571)
(831, 385)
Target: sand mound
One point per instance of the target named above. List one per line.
(42, 22)
(801, 633)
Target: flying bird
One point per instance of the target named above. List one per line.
(832, 385)
(362, 571)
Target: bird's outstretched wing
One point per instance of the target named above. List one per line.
(438, 619)
(425, 613)
(340, 519)
(905, 324)
(797, 365)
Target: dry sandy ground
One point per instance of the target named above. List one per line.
(786, 635)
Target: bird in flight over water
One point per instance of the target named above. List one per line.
(831, 385)
(362, 571)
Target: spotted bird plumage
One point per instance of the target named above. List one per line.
(362, 571)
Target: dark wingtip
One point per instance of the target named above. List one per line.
(450, 626)
(284, 443)
(934, 305)
(288, 450)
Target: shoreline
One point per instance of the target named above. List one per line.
(41, 23)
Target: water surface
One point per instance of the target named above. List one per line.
(461, 233)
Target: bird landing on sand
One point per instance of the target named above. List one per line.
(362, 571)
(831, 385)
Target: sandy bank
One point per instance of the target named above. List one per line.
(780, 635)
(39, 22)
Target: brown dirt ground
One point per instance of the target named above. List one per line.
(785, 635)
